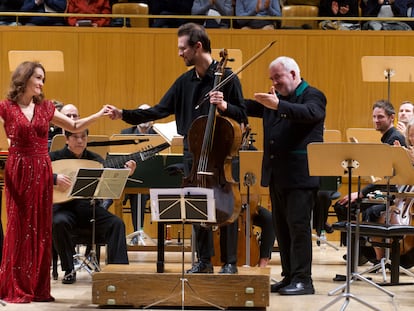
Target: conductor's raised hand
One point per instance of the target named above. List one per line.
(113, 112)
(269, 100)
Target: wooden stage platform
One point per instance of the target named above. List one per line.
(139, 286)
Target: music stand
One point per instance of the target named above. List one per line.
(97, 183)
(183, 205)
(380, 68)
(337, 159)
(250, 174)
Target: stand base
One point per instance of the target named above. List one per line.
(89, 263)
(141, 238)
(123, 285)
(318, 240)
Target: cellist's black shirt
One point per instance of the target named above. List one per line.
(185, 94)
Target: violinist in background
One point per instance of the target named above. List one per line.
(182, 100)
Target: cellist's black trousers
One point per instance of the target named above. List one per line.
(228, 243)
(204, 235)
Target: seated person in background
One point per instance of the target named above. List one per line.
(384, 8)
(405, 114)
(9, 6)
(339, 8)
(383, 118)
(259, 8)
(68, 110)
(213, 8)
(135, 199)
(169, 7)
(89, 7)
(43, 6)
(77, 213)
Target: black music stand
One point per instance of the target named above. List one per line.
(97, 183)
(337, 159)
(183, 205)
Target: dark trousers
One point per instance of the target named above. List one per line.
(291, 209)
(264, 220)
(134, 200)
(78, 214)
(228, 243)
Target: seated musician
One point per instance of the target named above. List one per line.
(383, 115)
(77, 213)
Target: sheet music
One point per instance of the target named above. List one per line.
(99, 183)
(191, 204)
(167, 130)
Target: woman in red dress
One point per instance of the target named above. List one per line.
(25, 267)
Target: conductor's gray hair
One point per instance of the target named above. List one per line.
(288, 63)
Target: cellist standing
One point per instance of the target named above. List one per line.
(183, 100)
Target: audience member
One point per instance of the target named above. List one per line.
(213, 8)
(9, 6)
(339, 8)
(138, 200)
(89, 7)
(43, 6)
(405, 114)
(169, 7)
(259, 8)
(384, 8)
(77, 213)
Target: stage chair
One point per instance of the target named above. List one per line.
(132, 9)
(332, 136)
(393, 233)
(299, 11)
(363, 135)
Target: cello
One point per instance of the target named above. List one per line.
(248, 235)
(221, 138)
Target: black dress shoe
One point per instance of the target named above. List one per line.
(201, 267)
(70, 277)
(297, 288)
(228, 268)
(274, 288)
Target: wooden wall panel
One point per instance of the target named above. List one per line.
(128, 67)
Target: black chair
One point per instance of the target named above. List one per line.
(392, 233)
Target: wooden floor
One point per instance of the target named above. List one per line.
(326, 264)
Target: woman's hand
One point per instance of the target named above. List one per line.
(113, 112)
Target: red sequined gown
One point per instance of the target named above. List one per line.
(25, 268)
